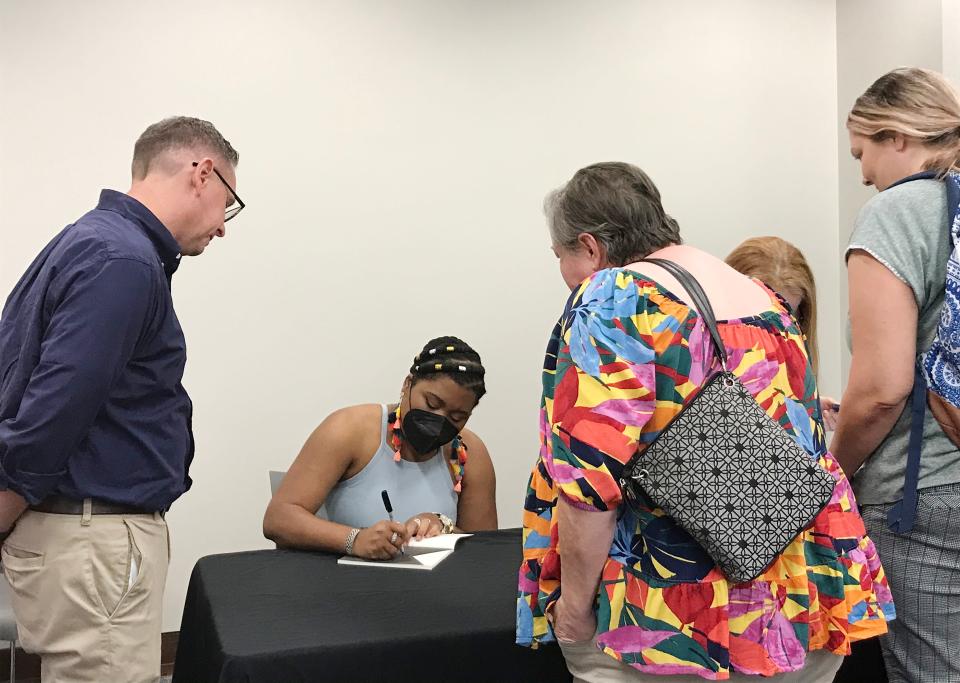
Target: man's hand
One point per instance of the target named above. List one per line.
(12, 505)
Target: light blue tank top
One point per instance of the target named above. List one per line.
(414, 487)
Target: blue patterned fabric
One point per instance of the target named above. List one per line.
(941, 362)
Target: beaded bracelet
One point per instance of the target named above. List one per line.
(351, 537)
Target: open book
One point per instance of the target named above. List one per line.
(423, 554)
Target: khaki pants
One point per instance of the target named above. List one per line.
(588, 664)
(87, 591)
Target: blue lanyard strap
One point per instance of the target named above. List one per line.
(904, 512)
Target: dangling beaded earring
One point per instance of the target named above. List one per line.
(458, 460)
(395, 431)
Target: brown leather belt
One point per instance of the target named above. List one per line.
(59, 505)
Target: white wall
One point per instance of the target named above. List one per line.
(394, 157)
(951, 39)
(873, 37)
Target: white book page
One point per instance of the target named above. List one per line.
(426, 553)
(441, 542)
(423, 560)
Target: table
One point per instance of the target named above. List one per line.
(286, 616)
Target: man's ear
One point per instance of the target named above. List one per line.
(202, 173)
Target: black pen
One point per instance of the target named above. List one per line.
(389, 509)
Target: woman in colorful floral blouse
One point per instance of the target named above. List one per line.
(639, 598)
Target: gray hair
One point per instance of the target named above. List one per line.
(179, 132)
(619, 205)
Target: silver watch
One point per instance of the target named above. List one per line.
(448, 524)
(351, 537)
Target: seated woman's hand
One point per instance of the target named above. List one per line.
(424, 525)
(382, 541)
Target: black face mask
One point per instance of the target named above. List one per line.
(426, 431)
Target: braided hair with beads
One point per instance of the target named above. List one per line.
(448, 357)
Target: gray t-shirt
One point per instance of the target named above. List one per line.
(905, 229)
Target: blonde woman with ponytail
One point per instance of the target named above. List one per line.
(905, 132)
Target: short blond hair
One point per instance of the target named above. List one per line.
(780, 265)
(178, 132)
(916, 103)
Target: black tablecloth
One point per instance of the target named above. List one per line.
(285, 616)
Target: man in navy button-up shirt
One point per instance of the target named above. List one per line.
(95, 426)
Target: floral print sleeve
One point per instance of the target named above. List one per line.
(602, 394)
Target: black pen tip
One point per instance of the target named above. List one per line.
(386, 500)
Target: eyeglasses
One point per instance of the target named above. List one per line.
(232, 211)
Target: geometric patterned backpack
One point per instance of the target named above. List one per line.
(725, 471)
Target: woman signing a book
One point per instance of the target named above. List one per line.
(438, 474)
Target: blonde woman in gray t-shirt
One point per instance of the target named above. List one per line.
(906, 123)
